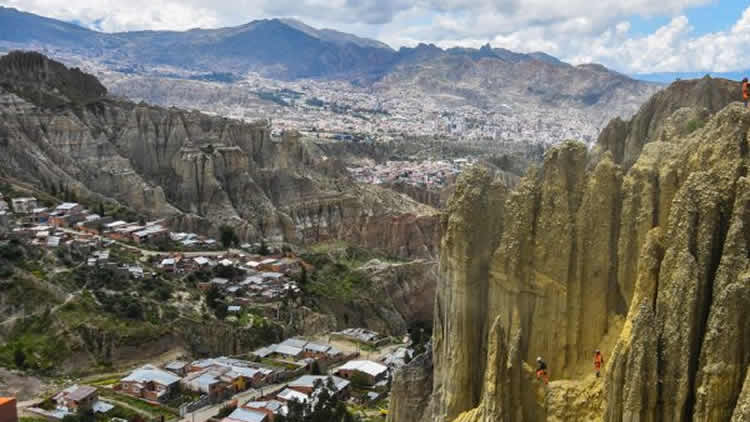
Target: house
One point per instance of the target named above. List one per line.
(8, 411)
(111, 227)
(238, 373)
(177, 367)
(77, 398)
(246, 415)
(271, 408)
(306, 384)
(152, 234)
(69, 208)
(219, 282)
(39, 215)
(201, 262)
(288, 395)
(149, 382)
(289, 352)
(234, 309)
(267, 264)
(53, 241)
(316, 351)
(272, 276)
(365, 371)
(209, 381)
(24, 205)
(170, 264)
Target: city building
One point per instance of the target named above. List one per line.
(24, 205)
(246, 415)
(364, 371)
(149, 382)
(77, 398)
(8, 411)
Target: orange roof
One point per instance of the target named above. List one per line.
(4, 400)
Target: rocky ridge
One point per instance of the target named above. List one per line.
(58, 127)
(638, 248)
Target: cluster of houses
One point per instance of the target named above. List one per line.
(73, 400)
(360, 335)
(300, 350)
(216, 377)
(256, 279)
(306, 388)
(74, 216)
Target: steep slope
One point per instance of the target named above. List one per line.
(548, 270)
(58, 128)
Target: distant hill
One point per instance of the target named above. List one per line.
(276, 48)
(669, 77)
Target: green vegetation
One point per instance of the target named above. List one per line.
(33, 346)
(148, 408)
(226, 411)
(695, 124)
(326, 409)
(334, 279)
(228, 236)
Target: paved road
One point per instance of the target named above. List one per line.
(204, 414)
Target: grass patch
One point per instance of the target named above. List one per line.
(277, 364)
(694, 125)
(146, 407)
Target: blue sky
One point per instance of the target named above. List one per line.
(632, 36)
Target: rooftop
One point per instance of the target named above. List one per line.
(81, 392)
(289, 394)
(149, 373)
(246, 415)
(366, 366)
(309, 381)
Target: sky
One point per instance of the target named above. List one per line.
(631, 36)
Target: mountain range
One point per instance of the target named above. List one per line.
(280, 48)
(485, 93)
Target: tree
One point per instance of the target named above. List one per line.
(226, 411)
(19, 357)
(228, 236)
(101, 209)
(315, 368)
(263, 249)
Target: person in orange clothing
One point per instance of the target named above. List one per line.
(541, 370)
(598, 362)
(745, 91)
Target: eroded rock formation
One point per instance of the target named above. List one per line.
(638, 248)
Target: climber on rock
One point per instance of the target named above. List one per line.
(598, 361)
(541, 370)
(745, 91)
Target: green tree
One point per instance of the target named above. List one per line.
(228, 236)
(19, 357)
(226, 411)
(263, 249)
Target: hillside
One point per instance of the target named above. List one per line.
(642, 254)
(58, 128)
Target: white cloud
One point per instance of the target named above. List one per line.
(578, 31)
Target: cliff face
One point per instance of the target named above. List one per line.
(646, 260)
(58, 128)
